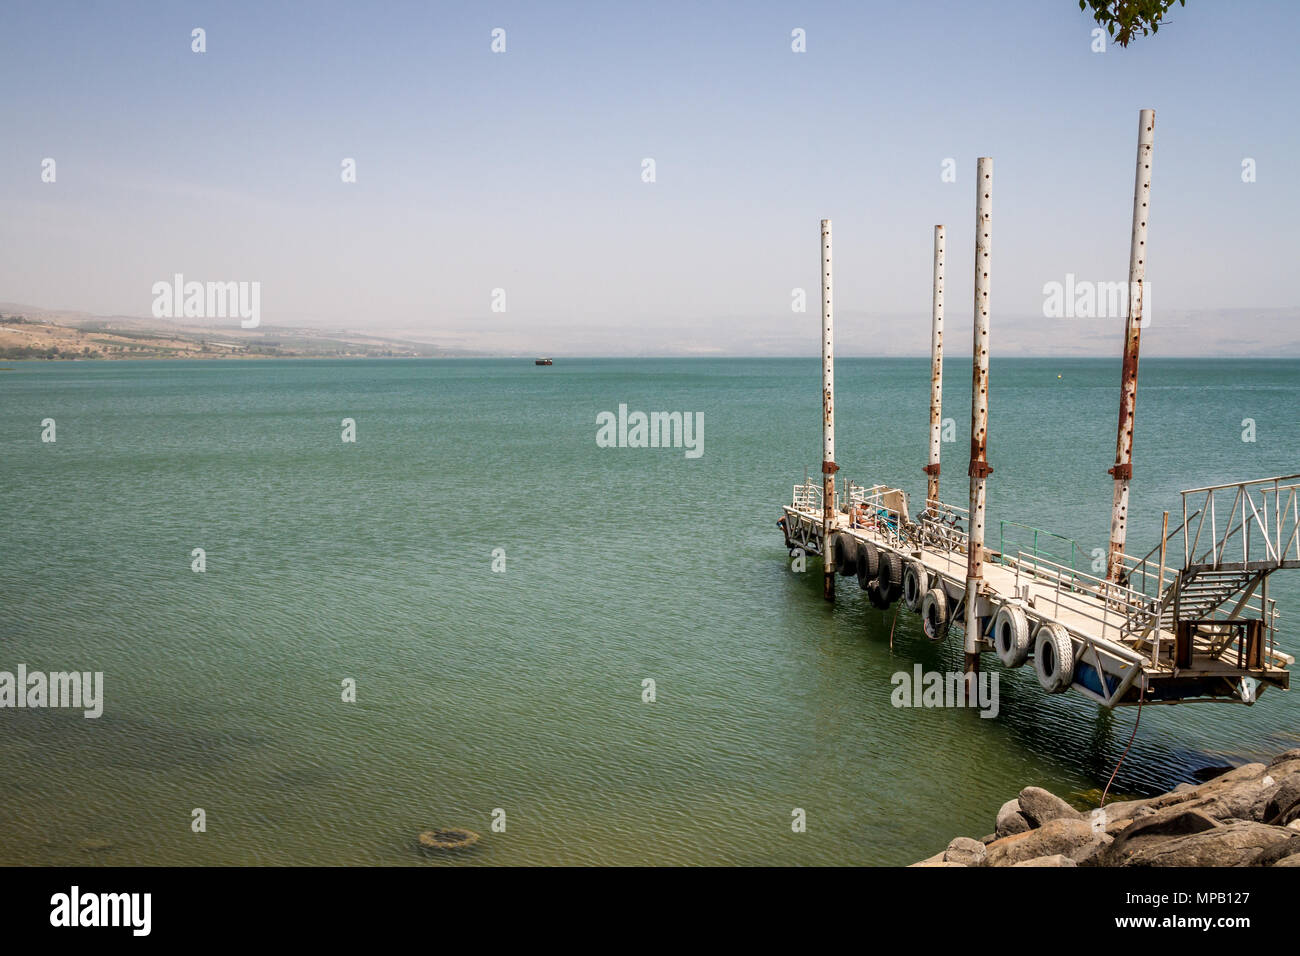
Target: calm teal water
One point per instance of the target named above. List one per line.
(522, 690)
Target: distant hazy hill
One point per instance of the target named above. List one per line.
(29, 332)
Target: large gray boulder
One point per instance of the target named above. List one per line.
(1095, 852)
(1286, 757)
(1237, 843)
(965, 851)
(934, 861)
(1119, 816)
(1280, 803)
(1011, 820)
(1056, 859)
(1154, 827)
(1227, 797)
(1059, 836)
(1038, 806)
(1278, 851)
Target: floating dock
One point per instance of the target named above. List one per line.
(1190, 621)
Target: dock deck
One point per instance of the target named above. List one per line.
(1128, 645)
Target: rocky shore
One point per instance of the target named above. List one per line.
(1249, 816)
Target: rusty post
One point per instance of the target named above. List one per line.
(979, 411)
(1122, 471)
(828, 418)
(936, 374)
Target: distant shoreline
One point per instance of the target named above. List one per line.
(244, 357)
(34, 336)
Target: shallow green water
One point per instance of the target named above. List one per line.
(522, 690)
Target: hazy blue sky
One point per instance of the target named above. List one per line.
(522, 170)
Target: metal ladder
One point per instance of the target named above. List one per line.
(1201, 592)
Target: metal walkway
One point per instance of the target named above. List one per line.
(1208, 632)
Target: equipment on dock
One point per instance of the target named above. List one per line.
(1149, 630)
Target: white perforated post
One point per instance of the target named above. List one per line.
(1122, 471)
(828, 416)
(979, 407)
(936, 374)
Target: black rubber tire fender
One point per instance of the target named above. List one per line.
(1054, 657)
(846, 555)
(868, 564)
(1011, 635)
(934, 614)
(916, 581)
(890, 576)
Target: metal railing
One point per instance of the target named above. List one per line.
(1035, 547)
(1142, 572)
(1113, 606)
(944, 528)
(807, 496)
(867, 511)
(1260, 528)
